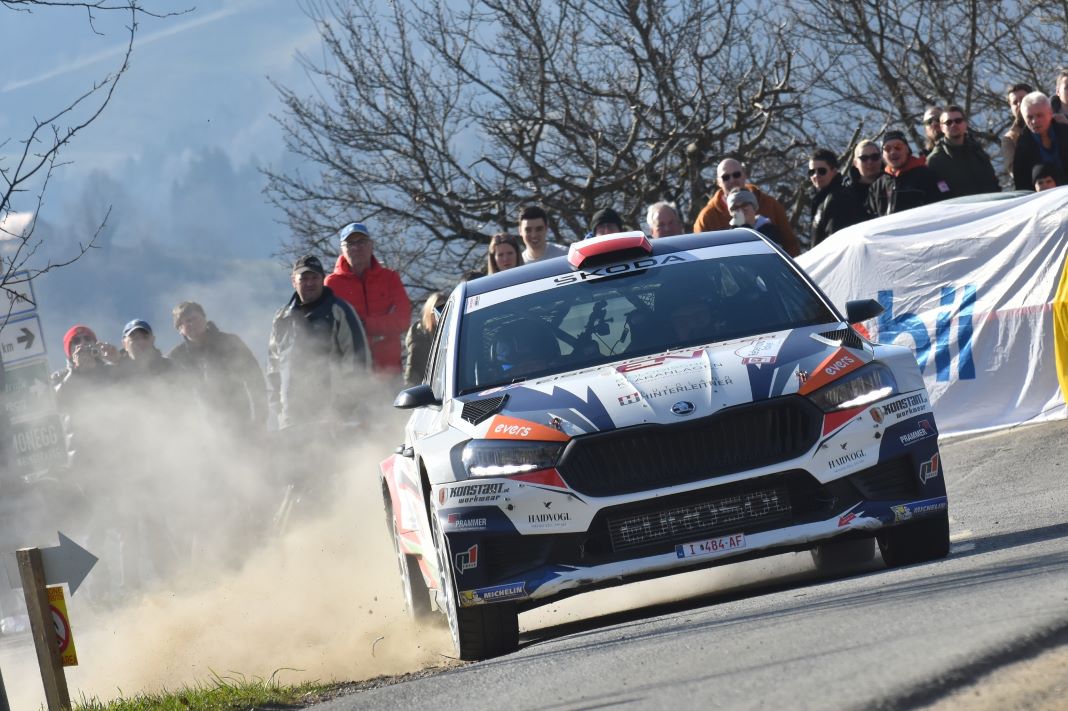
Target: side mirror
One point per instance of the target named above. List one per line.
(862, 310)
(419, 396)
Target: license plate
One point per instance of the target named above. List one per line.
(711, 546)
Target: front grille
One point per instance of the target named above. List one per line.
(476, 411)
(653, 456)
(698, 520)
(887, 481)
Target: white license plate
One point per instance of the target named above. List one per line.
(711, 546)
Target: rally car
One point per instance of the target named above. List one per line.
(641, 408)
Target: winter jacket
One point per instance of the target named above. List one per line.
(1028, 154)
(418, 343)
(716, 216)
(914, 185)
(966, 168)
(225, 376)
(383, 306)
(833, 208)
(858, 193)
(316, 359)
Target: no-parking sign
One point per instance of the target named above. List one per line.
(64, 634)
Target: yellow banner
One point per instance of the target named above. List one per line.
(58, 603)
(1060, 330)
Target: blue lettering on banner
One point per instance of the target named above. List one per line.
(910, 324)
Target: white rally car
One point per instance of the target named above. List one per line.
(642, 408)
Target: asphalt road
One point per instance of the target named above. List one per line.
(878, 639)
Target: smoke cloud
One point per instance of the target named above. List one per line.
(200, 574)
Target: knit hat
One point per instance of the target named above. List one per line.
(605, 216)
(896, 136)
(1046, 170)
(75, 332)
(741, 196)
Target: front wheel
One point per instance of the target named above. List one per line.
(915, 542)
(480, 632)
(841, 557)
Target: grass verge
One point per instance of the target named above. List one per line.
(221, 693)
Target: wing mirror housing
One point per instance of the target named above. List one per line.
(418, 396)
(862, 309)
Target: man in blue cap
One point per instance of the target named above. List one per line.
(142, 357)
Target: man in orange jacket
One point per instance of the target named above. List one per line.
(731, 174)
(376, 293)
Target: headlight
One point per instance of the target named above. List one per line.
(864, 385)
(485, 457)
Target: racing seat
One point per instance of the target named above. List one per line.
(519, 348)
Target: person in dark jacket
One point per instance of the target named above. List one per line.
(866, 168)
(317, 354)
(959, 160)
(907, 182)
(832, 207)
(225, 375)
(420, 338)
(1043, 141)
(143, 361)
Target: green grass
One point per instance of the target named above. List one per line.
(221, 693)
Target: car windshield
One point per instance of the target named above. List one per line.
(588, 323)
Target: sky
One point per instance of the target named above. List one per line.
(176, 156)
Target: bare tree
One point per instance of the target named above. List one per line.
(27, 164)
(437, 123)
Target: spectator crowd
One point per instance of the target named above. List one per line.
(338, 327)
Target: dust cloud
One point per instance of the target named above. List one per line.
(203, 570)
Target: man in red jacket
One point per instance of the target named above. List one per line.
(377, 295)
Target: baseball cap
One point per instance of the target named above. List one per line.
(741, 197)
(308, 263)
(136, 324)
(353, 228)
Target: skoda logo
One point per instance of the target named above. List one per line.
(682, 408)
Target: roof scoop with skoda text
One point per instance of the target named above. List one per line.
(608, 248)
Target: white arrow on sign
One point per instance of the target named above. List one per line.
(66, 563)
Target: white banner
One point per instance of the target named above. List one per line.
(969, 287)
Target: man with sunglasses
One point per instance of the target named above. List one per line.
(959, 160)
(932, 131)
(832, 207)
(906, 181)
(731, 175)
(866, 168)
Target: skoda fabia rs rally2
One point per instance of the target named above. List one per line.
(642, 408)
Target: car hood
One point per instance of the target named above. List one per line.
(684, 383)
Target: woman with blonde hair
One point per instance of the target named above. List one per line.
(420, 338)
(504, 253)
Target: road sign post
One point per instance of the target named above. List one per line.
(31, 570)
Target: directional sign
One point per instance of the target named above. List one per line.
(37, 445)
(18, 297)
(66, 563)
(21, 340)
(27, 391)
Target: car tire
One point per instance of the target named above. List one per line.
(480, 632)
(416, 593)
(915, 542)
(840, 557)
